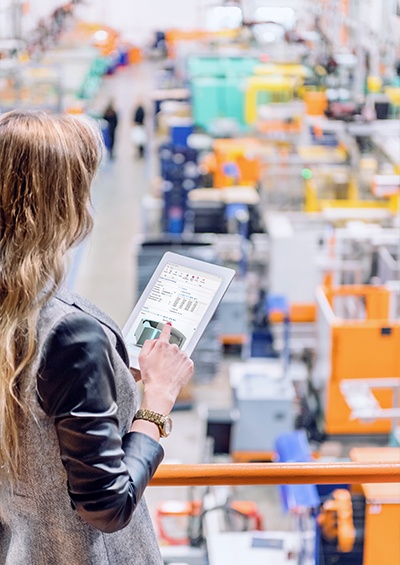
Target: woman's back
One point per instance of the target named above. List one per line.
(40, 527)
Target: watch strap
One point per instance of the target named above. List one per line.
(157, 418)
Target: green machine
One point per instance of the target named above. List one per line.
(218, 88)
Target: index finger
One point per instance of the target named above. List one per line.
(165, 333)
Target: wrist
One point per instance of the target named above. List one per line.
(157, 403)
(146, 427)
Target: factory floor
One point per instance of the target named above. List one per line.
(103, 270)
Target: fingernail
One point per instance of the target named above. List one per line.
(169, 324)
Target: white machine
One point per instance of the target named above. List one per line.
(264, 400)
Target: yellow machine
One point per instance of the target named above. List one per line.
(393, 93)
(345, 198)
(292, 70)
(273, 88)
(356, 341)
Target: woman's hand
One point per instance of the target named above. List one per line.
(165, 370)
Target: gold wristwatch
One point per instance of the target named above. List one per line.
(163, 422)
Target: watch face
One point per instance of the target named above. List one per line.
(167, 426)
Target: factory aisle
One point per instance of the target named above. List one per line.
(103, 269)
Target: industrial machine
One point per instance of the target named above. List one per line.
(357, 339)
(360, 526)
(264, 400)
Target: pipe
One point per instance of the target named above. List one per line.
(276, 474)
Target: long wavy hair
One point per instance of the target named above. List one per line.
(47, 164)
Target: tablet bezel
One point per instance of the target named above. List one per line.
(225, 273)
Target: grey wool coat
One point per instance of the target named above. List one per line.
(38, 525)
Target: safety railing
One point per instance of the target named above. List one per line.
(276, 474)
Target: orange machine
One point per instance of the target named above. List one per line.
(356, 341)
(316, 102)
(174, 36)
(336, 520)
(104, 37)
(382, 516)
(243, 154)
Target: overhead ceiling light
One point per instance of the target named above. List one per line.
(224, 17)
(268, 32)
(268, 37)
(101, 35)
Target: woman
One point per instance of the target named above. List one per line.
(74, 461)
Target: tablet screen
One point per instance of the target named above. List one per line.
(180, 296)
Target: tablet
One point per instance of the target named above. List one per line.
(182, 291)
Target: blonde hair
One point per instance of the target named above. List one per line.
(47, 163)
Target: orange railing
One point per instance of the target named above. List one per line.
(276, 474)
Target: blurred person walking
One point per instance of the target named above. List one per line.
(138, 132)
(111, 117)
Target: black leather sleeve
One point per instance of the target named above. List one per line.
(107, 473)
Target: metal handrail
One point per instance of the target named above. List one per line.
(276, 474)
